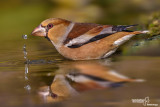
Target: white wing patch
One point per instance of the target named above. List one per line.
(107, 30)
(79, 78)
(112, 72)
(79, 40)
(123, 39)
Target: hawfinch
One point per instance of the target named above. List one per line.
(84, 41)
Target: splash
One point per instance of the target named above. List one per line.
(27, 86)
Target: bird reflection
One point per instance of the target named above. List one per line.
(75, 77)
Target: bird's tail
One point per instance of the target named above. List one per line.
(120, 28)
(137, 32)
(129, 26)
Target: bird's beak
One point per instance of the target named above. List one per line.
(39, 31)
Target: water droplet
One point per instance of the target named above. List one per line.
(24, 36)
(25, 57)
(27, 87)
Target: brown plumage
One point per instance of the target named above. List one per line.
(84, 41)
(79, 29)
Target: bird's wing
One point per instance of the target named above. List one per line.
(83, 33)
(78, 30)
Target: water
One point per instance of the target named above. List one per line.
(34, 74)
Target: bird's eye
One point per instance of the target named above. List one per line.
(49, 26)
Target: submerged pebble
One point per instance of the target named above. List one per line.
(24, 36)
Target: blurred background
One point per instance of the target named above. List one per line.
(22, 16)
(19, 16)
(26, 65)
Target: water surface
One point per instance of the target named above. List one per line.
(36, 75)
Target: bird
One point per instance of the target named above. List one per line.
(84, 41)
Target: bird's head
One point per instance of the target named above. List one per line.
(53, 29)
